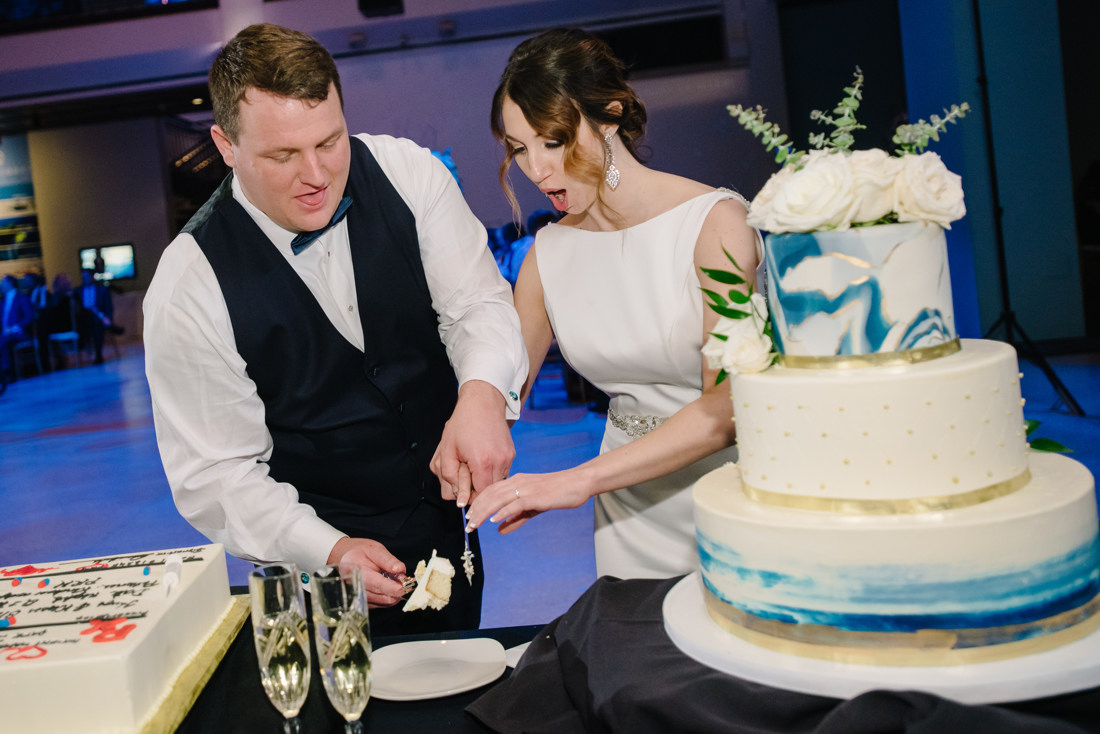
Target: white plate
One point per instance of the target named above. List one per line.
(1072, 667)
(410, 671)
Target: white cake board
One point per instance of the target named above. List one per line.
(1072, 667)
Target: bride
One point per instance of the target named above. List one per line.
(617, 282)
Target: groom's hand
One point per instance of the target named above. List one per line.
(476, 448)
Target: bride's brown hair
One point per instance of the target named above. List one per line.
(559, 79)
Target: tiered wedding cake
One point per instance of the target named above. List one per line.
(112, 644)
(886, 508)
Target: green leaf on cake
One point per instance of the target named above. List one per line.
(1043, 444)
(724, 276)
(717, 298)
(739, 297)
(729, 313)
(1050, 445)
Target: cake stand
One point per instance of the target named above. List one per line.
(1072, 667)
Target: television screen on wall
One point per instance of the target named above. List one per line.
(109, 262)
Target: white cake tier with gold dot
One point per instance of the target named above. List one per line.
(914, 438)
(1000, 578)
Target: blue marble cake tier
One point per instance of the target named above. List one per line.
(871, 295)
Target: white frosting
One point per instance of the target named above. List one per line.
(433, 587)
(998, 556)
(60, 670)
(860, 291)
(945, 427)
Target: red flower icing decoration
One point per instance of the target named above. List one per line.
(108, 630)
(29, 652)
(24, 571)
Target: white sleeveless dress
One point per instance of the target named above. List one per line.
(626, 310)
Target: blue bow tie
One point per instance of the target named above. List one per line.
(305, 239)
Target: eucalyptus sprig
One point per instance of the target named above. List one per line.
(845, 124)
(754, 119)
(914, 138)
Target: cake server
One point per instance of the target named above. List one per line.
(467, 555)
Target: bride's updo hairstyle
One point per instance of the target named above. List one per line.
(560, 79)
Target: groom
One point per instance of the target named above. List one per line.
(327, 332)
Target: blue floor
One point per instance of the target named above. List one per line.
(80, 476)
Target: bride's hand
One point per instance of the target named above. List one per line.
(515, 500)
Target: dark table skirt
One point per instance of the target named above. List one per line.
(607, 665)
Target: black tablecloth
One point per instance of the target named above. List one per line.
(607, 665)
(233, 701)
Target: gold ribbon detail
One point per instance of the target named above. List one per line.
(920, 648)
(907, 506)
(877, 359)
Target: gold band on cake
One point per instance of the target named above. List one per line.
(907, 506)
(920, 648)
(877, 359)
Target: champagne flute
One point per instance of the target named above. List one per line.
(343, 640)
(282, 639)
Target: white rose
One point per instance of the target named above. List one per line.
(761, 206)
(745, 348)
(873, 174)
(819, 195)
(926, 191)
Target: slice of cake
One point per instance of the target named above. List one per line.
(433, 587)
(112, 644)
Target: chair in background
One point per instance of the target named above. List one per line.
(19, 356)
(65, 343)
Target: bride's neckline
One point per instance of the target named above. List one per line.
(652, 219)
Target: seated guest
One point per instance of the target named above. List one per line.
(34, 285)
(59, 315)
(16, 320)
(94, 311)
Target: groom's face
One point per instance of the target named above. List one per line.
(291, 157)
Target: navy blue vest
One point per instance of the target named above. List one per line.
(353, 431)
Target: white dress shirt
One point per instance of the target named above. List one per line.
(210, 426)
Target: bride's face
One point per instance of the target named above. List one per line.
(543, 160)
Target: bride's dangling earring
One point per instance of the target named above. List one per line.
(611, 173)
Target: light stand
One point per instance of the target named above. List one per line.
(1008, 317)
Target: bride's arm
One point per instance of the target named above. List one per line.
(700, 428)
(535, 324)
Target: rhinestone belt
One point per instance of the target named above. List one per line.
(634, 425)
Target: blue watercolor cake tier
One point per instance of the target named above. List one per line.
(1004, 578)
(868, 295)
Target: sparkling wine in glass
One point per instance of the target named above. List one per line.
(282, 639)
(343, 640)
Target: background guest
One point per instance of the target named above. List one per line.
(60, 316)
(34, 285)
(16, 321)
(94, 312)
